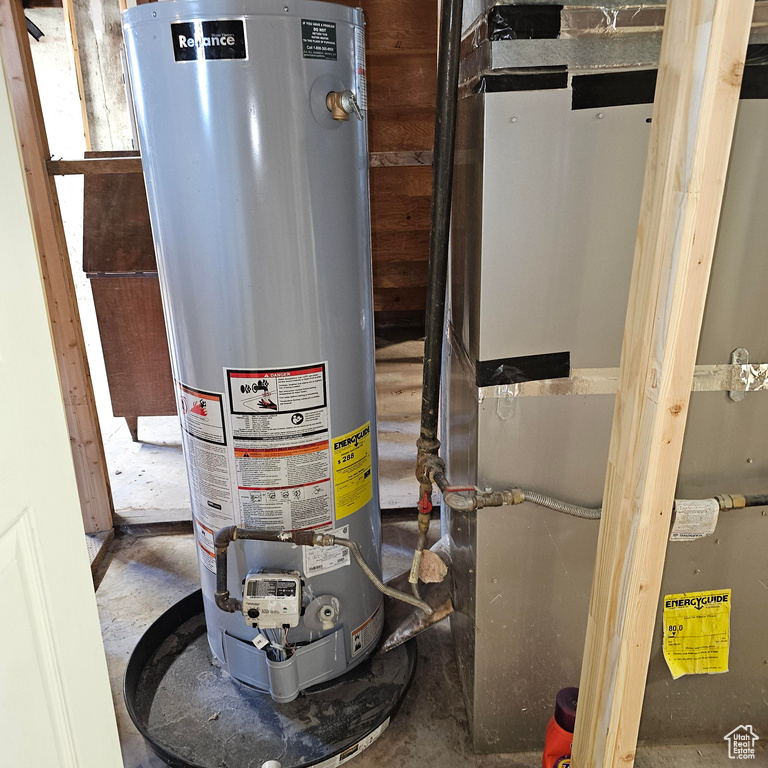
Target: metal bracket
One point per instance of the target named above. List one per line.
(739, 356)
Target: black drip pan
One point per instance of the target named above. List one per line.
(194, 715)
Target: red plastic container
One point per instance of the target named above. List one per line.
(559, 737)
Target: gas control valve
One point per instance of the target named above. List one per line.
(272, 600)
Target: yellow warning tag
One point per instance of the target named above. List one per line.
(697, 632)
(352, 470)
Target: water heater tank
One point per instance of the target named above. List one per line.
(258, 195)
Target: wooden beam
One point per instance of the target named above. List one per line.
(697, 94)
(95, 165)
(399, 159)
(70, 24)
(74, 374)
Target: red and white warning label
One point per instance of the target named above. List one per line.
(368, 632)
(362, 84)
(280, 430)
(208, 463)
(204, 537)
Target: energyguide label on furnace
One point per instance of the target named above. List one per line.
(280, 429)
(209, 464)
(697, 632)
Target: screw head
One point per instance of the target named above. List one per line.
(600, 115)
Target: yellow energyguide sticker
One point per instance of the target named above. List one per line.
(352, 470)
(697, 628)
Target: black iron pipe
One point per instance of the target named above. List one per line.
(224, 536)
(442, 187)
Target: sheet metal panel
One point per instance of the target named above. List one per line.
(561, 194)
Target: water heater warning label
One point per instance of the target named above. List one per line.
(208, 459)
(368, 632)
(280, 430)
(318, 39)
(204, 536)
(360, 73)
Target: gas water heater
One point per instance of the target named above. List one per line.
(252, 124)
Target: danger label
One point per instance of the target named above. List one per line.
(369, 632)
(353, 470)
(280, 432)
(201, 414)
(206, 453)
(204, 536)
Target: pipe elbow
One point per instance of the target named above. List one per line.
(226, 603)
(224, 536)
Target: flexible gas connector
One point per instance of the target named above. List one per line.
(383, 588)
(455, 500)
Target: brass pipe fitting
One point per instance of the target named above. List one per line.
(335, 106)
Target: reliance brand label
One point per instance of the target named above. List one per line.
(222, 39)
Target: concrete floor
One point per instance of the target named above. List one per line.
(145, 575)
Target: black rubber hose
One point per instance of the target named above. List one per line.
(442, 188)
(756, 500)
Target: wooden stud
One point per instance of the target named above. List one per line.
(95, 165)
(74, 374)
(697, 94)
(71, 27)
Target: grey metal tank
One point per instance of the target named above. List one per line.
(259, 205)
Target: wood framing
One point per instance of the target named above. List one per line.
(71, 26)
(697, 93)
(74, 374)
(94, 165)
